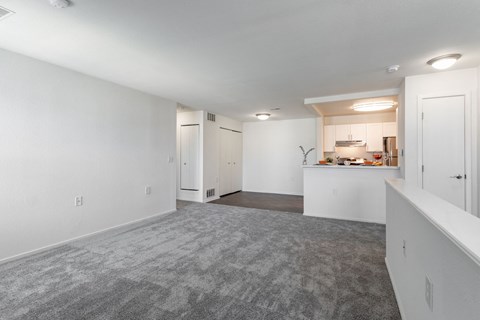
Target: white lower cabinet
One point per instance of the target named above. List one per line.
(230, 161)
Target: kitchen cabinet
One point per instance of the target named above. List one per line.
(342, 132)
(389, 129)
(350, 132)
(190, 157)
(358, 131)
(374, 137)
(329, 138)
(230, 161)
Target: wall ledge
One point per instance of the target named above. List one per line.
(461, 227)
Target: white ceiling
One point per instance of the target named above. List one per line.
(238, 58)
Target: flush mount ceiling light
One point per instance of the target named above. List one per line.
(444, 62)
(263, 116)
(393, 68)
(373, 106)
(60, 4)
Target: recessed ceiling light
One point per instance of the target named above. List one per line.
(444, 62)
(393, 68)
(373, 106)
(60, 4)
(263, 116)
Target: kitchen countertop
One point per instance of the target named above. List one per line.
(352, 167)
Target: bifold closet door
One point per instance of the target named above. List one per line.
(230, 161)
(189, 157)
(236, 161)
(225, 162)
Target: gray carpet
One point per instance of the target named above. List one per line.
(209, 261)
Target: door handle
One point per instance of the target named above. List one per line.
(458, 176)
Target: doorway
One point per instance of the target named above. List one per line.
(443, 148)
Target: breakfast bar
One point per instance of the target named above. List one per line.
(347, 192)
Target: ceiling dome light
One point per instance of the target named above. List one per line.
(393, 68)
(60, 4)
(373, 106)
(444, 62)
(263, 116)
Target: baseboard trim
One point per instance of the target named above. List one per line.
(343, 218)
(125, 225)
(211, 199)
(395, 291)
(274, 192)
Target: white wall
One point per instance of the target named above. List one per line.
(65, 134)
(347, 192)
(361, 118)
(448, 82)
(272, 160)
(440, 243)
(209, 152)
(319, 139)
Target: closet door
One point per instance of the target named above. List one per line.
(236, 138)
(189, 157)
(225, 179)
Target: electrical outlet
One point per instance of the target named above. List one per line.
(404, 248)
(78, 201)
(429, 293)
(148, 190)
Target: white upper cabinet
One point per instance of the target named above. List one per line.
(372, 133)
(374, 137)
(350, 132)
(389, 129)
(342, 132)
(329, 138)
(358, 131)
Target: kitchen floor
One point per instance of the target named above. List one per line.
(268, 201)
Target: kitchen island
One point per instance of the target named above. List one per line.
(347, 192)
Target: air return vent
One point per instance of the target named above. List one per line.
(210, 117)
(210, 193)
(5, 13)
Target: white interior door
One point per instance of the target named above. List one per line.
(189, 157)
(443, 144)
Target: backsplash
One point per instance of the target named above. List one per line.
(350, 152)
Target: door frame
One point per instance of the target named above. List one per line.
(470, 134)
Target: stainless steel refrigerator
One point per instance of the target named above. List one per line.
(390, 151)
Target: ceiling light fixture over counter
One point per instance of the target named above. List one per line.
(263, 116)
(373, 106)
(444, 62)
